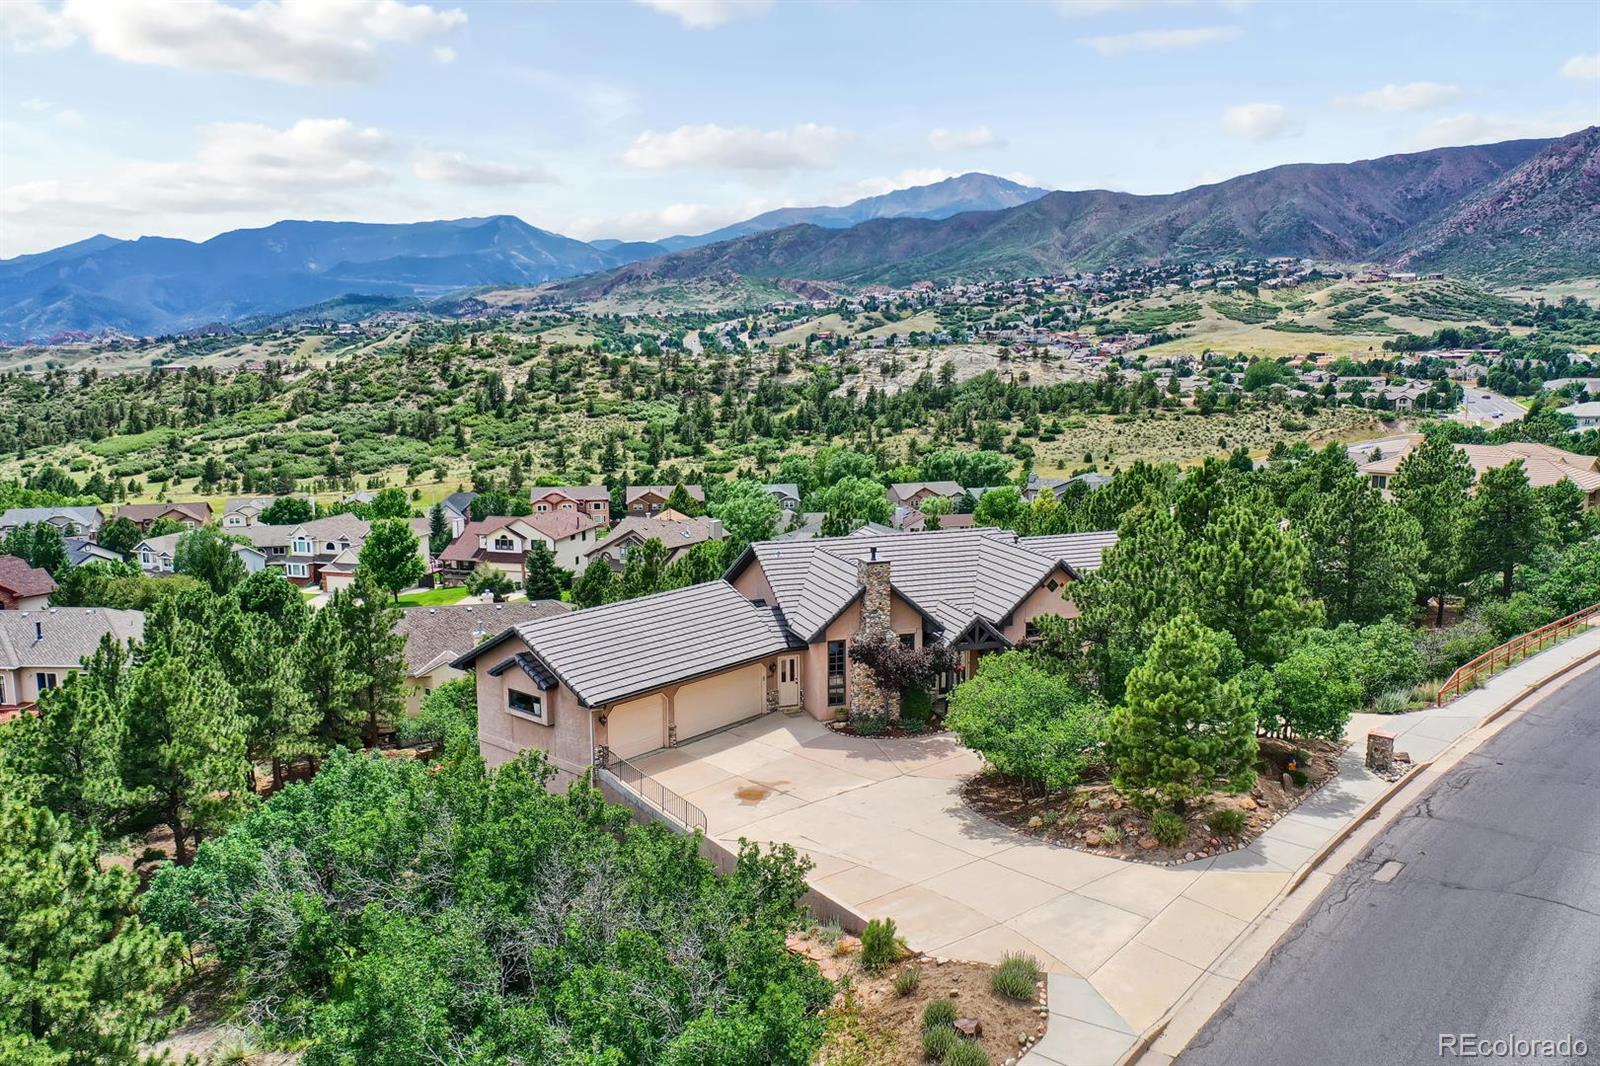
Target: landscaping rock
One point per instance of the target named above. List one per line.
(1249, 803)
(1035, 822)
(1288, 783)
(970, 1027)
(1149, 843)
(1092, 838)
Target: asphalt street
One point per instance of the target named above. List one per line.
(1490, 927)
(1484, 406)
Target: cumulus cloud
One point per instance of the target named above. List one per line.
(1413, 96)
(1122, 44)
(1478, 128)
(1259, 122)
(741, 148)
(305, 41)
(1584, 68)
(709, 14)
(944, 140)
(454, 168)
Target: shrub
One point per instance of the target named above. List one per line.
(938, 1012)
(966, 1053)
(1225, 821)
(1520, 614)
(1026, 721)
(880, 945)
(1111, 835)
(1299, 777)
(907, 980)
(937, 1042)
(1168, 828)
(869, 725)
(1313, 692)
(916, 707)
(1015, 977)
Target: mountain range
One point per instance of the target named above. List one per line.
(1527, 209)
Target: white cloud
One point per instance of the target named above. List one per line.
(1584, 68)
(27, 24)
(944, 140)
(306, 41)
(1159, 40)
(444, 54)
(1477, 128)
(454, 168)
(708, 14)
(67, 116)
(805, 146)
(1413, 96)
(1259, 122)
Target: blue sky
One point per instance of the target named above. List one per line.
(643, 118)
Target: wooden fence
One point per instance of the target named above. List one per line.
(1468, 674)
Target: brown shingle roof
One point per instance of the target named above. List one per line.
(196, 510)
(22, 580)
(440, 634)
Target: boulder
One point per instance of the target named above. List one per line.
(969, 1027)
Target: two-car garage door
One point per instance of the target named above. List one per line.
(638, 726)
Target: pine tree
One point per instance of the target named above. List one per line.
(1364, 553)
(438, 529)
(1181, 730)
(1433, 485)
(644, 569)
(595, 586)
(1250, 581)
(375, 654)
(1505, 525)
(323, 667)
(539, 573)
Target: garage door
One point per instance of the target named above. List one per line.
(636, 727)
(718, 701)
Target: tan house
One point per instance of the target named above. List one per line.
(436, 636)
(591, 500)
(677, 533)
(912, 494)
(323, 551)
(40, 648)
(502, 542)
(646, 501)
(23, 587)
(241, 511)
(628, 678)
(1544, 464)
(191, 513)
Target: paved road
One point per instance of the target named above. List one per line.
(1484, 406)
(1491, 927)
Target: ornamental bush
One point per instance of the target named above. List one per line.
(1026, 721)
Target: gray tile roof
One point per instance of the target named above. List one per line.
(1082, 551)
(611, 653)
(440, 634)
(64, 636)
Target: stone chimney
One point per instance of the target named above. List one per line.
(867, 696)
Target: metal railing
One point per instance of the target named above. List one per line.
(654, 793)
(1467, 674)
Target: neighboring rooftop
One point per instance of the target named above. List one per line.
(61, 636)
(438, 635)
(22, 580)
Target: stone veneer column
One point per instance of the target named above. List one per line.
(867, 696)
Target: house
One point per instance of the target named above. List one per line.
(592, 500)
(322, 552)
(911, 494)
(191, 513)
(618, 681)
(241, 511)
(646, 501)
(82, 549)
(1059, 485)
(155, 555)
(1587, 415)
(788, 497)
(502, 542)
(436, 636)
(677, 533)
(457, 508)
(1544, 465)
(69, 520)
(39, 648)
(23, 587)
(916, 521)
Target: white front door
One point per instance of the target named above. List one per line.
(789, 681)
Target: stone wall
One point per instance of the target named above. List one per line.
(867, 697)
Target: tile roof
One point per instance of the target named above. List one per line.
(21, 580)
(676, 534)
(1544, 464)
(611, 653)
(439, 634)
(65, 635)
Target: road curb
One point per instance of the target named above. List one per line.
(1155, 1031)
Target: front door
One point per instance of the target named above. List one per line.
(789, 681)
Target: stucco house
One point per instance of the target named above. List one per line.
(591, 500)
(191, 513)
(39, 648)
(1544, 464)
(628, 678)
(912, 494)
(23, 587)
(646, 501)
(155, 555)
(437, 636)
(677, 533)
(502, 542)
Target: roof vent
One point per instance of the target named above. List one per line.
(38, 631)
(872, 552)
(1015, 539)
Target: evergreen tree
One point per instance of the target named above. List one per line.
(83, 982)
(391, 557)
(1433, 485)
(679, 500)
(39, 544)
(644, 570)
(595, 586)
(207, 555)
(1505, 525)
(323, 660)
(375, 654)
(438, 529)
(1181, 730)
(1364, 553)
(539, 573)
(120, 535)
(1250, 581)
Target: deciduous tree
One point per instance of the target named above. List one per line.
(391, 556)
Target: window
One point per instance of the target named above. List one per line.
(908, 640)
(836, 670)
(44, 681)
(504, 544)
(297, 570)
(541, 507)
(597, 506)
(1031, 630)
(144, 558)
(302, 546)
(526, 705)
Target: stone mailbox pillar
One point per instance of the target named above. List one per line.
(1380, 750)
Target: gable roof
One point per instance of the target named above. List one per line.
(674, 533)
(611, 653)
(904, 490)
(460, 503)
(437, 635)
(83, 517)
(1544, 464)
(197, 510)
(23, 580)
(65, 635)
(572, 492)
(250, 503)
(633, 492)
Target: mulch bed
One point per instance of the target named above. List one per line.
(889, 730)
(1094, 817)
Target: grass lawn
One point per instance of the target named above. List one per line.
(434, 597)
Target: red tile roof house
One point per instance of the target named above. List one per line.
(192, 513)
(592, 500)
(23, 587)
(503, 542)
(618, 681)
(645, 501)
